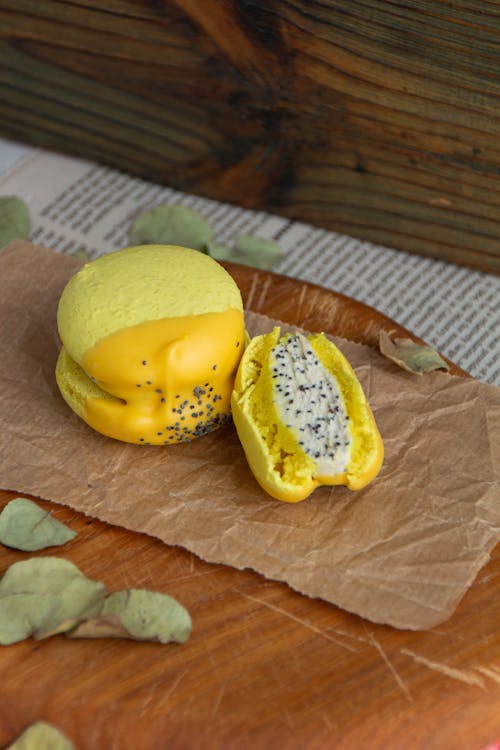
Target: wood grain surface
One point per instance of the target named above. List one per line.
(265, 667)
(377, 119)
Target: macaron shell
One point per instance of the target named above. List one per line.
(75, 386)
(137, 284)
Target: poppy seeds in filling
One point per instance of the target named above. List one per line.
(308, 400)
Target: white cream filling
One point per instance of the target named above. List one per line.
(308, 401)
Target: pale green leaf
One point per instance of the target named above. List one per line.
(44, 596)
(42, 736)
(26, 526)
(171, 225)
(140, 615)
(220, 252)
(410, 356)
(248, 250)
(15, 221)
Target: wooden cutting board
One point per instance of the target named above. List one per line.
(265, 667)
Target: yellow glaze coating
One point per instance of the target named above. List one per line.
(159, 382)
(275, 457)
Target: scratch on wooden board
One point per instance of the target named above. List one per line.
(492, 672)
(456, 674)
(191, 575)
(304, 292)
(306, 624)
(150, 576)
(446, 634)
(328, 723)
(253, 287)
(399, 680)
(173, 687)
(343, 634)
(263, 292)
(165, 696)
(218, 700)
(351, 635)
(487, 578)
(289, 720)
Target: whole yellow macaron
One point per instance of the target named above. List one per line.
(151, 340)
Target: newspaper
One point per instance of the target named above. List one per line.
(80, 205)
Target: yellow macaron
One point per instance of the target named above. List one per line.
(151, 340)
(302, 416)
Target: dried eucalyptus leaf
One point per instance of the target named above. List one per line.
(44, 596)
(171, 225)
(100, 626)
(19, 616)
(140, 615)
(248, 250)
(26, 526)
(15, 223)
(413, 357)
(42, 736)
(220, 252)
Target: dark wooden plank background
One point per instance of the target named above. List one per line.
(376, 118)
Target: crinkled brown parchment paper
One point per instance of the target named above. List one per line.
(403, 551)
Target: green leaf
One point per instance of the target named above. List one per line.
(171, 225)
(44, 596)
(220, 252)
(140, 615)
(410, 356)
(15, 221)
(248, 250)
(26, 526)
(42, 736)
